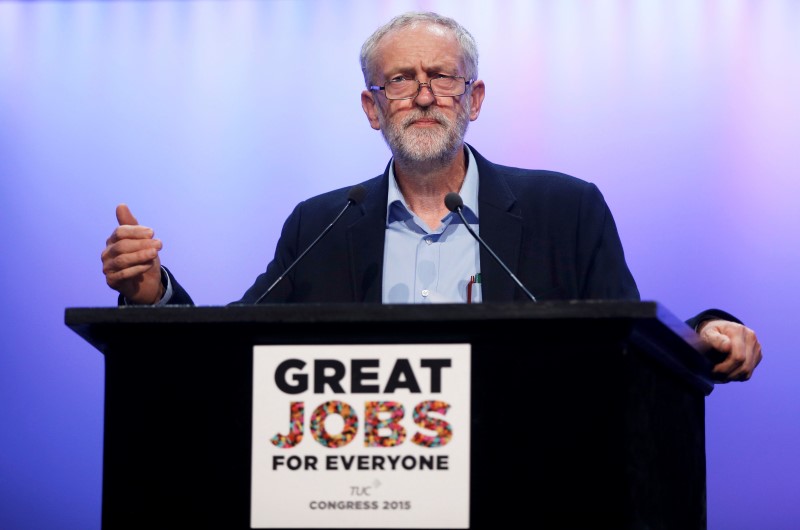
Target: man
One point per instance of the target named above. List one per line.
(401, 244)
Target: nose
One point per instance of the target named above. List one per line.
(424, 97)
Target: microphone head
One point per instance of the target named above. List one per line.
(357, 194)
(453, 201)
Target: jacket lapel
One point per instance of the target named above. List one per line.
(365, 241)
(501, 230)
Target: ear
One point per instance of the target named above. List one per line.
(478, 93)
(369, 105)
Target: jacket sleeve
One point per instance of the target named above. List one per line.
(603, 271)
(179, 296)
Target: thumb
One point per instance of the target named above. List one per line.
(717, 338)
(124, 215)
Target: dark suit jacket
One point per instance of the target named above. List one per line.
(554, 231)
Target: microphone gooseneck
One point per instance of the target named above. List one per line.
(354, 196)
(455, 204)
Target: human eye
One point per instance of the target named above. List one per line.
(446, 82)
(399, 79)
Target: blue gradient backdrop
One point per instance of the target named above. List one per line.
(212, 119)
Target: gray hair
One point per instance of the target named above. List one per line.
(469, 49)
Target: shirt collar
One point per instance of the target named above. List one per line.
(468, 191)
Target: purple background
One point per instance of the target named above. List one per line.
(213, 119)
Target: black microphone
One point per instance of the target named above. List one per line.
(455, 203)
(354, 196)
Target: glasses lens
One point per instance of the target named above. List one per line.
(448, 86)
(401, 88)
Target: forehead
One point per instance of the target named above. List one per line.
(424, 45)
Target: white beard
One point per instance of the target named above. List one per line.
(428, 147)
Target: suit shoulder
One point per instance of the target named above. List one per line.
(543, 177)
(526, 178)
(546, 183)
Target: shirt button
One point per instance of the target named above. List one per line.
(425, 292)
(428, 240)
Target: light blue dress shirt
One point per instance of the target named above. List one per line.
(440, 266)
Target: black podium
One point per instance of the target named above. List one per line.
(607, 431)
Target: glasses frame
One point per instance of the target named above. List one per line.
(420, 84)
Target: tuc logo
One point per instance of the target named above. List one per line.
(382, 420)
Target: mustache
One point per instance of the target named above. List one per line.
(429, 114)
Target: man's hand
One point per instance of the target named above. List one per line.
(130, 260)
(739, 344)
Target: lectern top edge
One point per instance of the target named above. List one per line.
(78, 316)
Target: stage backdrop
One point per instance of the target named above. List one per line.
(213, 119)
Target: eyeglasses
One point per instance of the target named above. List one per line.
(446, 86)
